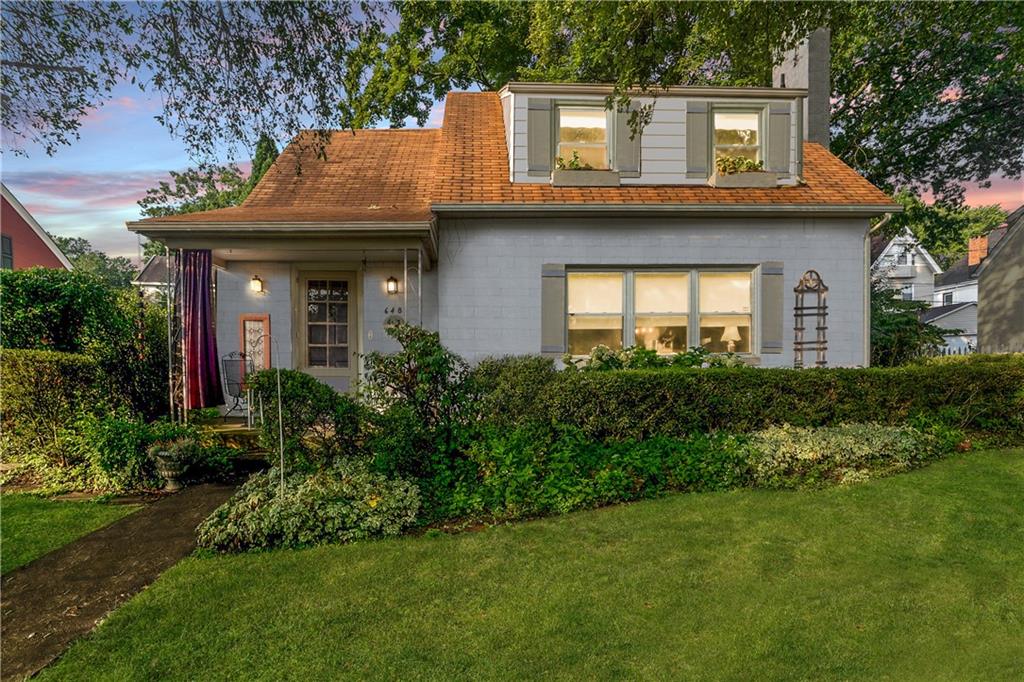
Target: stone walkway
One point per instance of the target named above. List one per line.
(59, 597)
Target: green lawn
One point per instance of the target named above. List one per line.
(31, 526)
(918, 576)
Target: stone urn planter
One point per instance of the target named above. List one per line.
(170, 469)
(170, 463)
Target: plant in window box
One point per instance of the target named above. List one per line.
(741, 171)
(574, 172)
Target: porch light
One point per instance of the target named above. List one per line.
(392, 286)
(256, 285)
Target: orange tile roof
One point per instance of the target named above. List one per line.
(367, 176)
(398, 175)
(473, 168)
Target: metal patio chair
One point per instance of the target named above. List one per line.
(235, 367)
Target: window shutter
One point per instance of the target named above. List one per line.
(778, 138)
(540, 144)
(627, 145)
(552, 309)
(772, 307)
(697, 153)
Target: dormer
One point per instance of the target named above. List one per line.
(567, 127)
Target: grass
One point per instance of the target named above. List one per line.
(918, 576)
(31, 526)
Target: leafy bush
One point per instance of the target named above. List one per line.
(791, 457)
(533, 471)
(341, 503)
(116, 446)
(898, 335)
(76, 312)
(41, 394)
(320, 424)
(46, 309)
(728, 165)
(425, 388)
(639, 404)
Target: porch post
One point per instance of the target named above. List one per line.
(419, 284)
(405, 283)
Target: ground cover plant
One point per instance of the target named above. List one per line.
(339, 503)
(31, 526)
(515, 438)
(916, 576)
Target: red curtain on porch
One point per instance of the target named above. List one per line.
(202, 371)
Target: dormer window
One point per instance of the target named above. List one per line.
(583, 130)
(738, 133)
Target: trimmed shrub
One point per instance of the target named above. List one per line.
(42, 308)
(638, 404)
(76, 312)
(791, 457)
(341, 503)
(534, 471)
(508, 386)
(320, 424)
(42, 393)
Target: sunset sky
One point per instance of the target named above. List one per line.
(89, 189)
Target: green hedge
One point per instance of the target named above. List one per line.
(42, 392)
(983, 395)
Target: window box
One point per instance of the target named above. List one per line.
(749, 179)
(584, 178)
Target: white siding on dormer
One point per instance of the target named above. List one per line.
(662, 145)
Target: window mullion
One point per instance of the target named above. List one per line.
(628, 310)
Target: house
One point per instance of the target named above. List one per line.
(955, 299)
(23, 242)
(1000, 276)
(475, 231)
(902, 264)
(153, 278)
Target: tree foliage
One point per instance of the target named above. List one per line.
(943, 230)
(923, 93)
(116, 271)
(897, 333)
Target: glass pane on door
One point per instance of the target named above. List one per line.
(327, 323)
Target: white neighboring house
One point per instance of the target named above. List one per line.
(904, 265)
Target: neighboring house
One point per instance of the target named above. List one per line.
(152, 279)
(472, 230)
(903, 265)
(23, 243)
(961, 319)
(959, 283)
(1001, 290)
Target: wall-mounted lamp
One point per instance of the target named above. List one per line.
(392, 286)
(256, 284)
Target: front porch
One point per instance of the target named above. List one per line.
(314, 299)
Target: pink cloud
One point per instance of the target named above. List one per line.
(1003, 191)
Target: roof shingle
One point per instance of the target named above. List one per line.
(398, 175)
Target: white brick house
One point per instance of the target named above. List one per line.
(473, 231)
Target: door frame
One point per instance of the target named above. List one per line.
(299, 337)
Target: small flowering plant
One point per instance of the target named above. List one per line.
(603, 358)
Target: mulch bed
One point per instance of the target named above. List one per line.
(61, 596)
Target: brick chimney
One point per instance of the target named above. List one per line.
(809, 65)
(977, 250)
